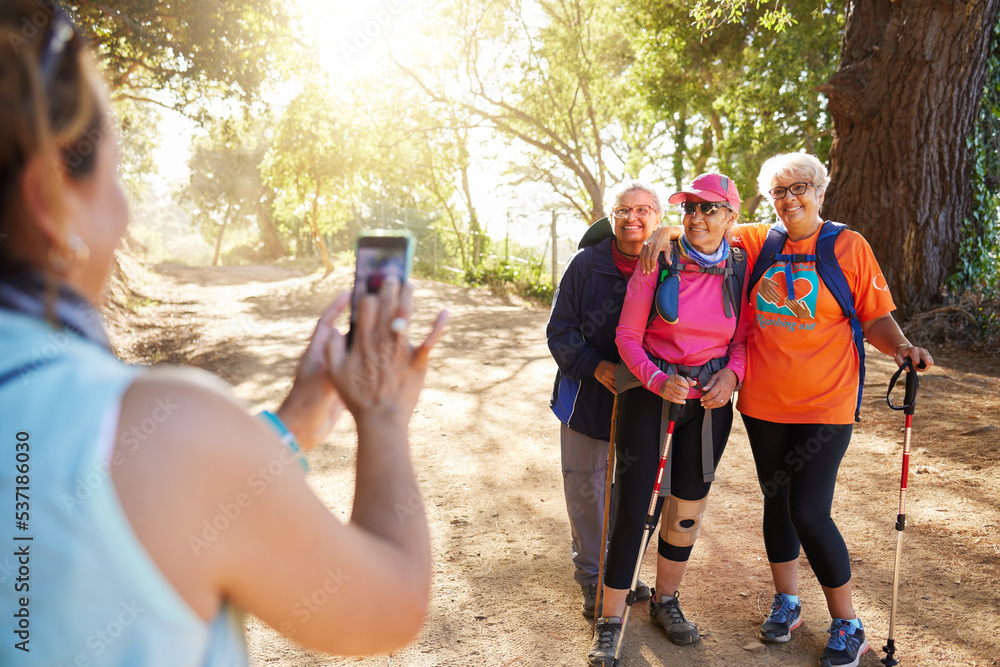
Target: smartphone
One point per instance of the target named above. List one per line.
(380, 254)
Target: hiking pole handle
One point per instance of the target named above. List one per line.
(675, 411)
(910, 393)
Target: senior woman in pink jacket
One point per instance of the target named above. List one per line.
(682, 338)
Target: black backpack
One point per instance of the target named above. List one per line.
(732, 286)
(735, 269)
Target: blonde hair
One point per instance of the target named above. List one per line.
(792, 165)
(39, 118)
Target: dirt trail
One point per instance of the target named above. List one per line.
(487, 456)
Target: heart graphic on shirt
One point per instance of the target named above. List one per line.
(802, 288)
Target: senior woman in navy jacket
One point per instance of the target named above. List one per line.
(581, 337)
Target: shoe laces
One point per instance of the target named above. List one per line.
(673, 608)
(606, 632)
(780, 610)
(841, 634)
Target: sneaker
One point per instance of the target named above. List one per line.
(785, 617)
(606, 635)
(846, 646)
(668, 615)
(589, 599)
(642, 592)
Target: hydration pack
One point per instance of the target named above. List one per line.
(668, 283)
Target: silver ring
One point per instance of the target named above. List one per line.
(398, 325)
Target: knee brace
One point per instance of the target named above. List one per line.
(682, 520)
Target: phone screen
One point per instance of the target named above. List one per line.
(380, 255)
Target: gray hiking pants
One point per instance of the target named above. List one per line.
(584, 469)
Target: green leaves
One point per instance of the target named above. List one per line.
(183, 53)
(979, 251)
(734, 84)
(225, 191)
(709, 15)
(312, 161)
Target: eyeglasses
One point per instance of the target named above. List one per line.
(795, 188)
(706, 207)
(641, 211)
(60, 33)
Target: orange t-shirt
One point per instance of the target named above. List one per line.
(802, 367)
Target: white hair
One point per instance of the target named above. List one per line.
(792, 165)
(631, 185)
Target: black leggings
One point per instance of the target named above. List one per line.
(637, 450)
(797, 468)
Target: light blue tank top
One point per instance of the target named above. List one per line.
(77, 587)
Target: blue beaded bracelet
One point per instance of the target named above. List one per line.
(287, 437)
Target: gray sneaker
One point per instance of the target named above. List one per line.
(668, 615)
(642, 592)
(606, 635)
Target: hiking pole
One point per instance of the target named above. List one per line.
(609, 481)
(908, 406)
(672, 416)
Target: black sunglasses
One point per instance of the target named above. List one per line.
(706, 207)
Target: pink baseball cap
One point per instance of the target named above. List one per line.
(709, 187)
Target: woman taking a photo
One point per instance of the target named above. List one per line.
(145, 550)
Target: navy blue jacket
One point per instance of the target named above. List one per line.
(581, 334)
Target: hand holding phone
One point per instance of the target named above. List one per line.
(380, 378)
(380, 254)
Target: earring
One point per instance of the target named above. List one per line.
(81, 253)
(75, 255)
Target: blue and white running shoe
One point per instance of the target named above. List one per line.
(785, 616)
(846, 646)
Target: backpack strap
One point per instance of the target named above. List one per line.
(625, 380)
(734, 275)
(773, 245)
(833, 277)
(733, 286)
(829, 271)
(664, 271)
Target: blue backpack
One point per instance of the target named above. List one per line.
(829, 272)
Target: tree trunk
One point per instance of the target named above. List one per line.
(474, 230)
(903, 104)
(273, 247)
(680, 141)
(750, 205)
(218, 240)
(555, 252)
(317, 235)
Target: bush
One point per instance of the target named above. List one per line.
(979, 252)
(505, 278)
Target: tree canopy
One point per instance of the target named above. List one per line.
(561, 96)
(184, 53)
